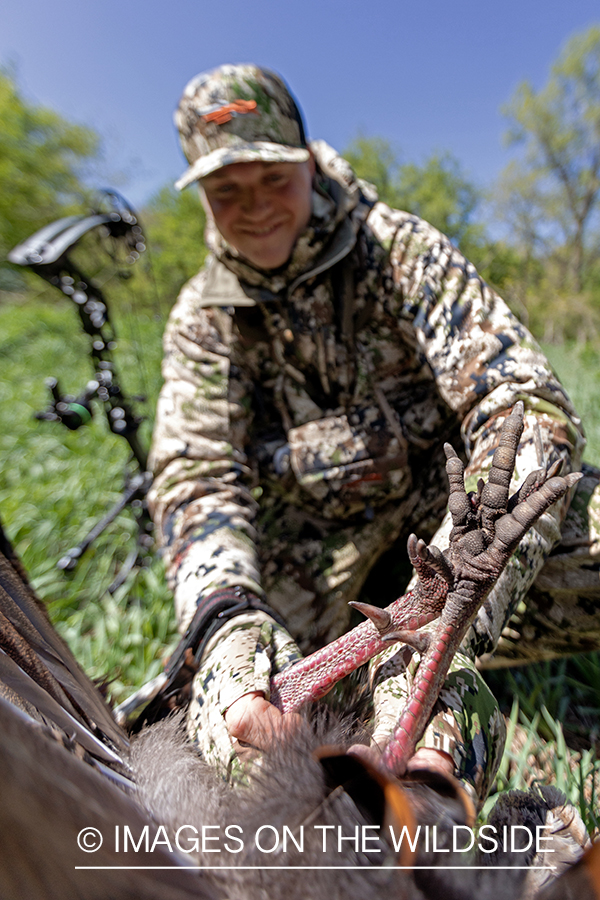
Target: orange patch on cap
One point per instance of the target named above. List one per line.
(224, 114)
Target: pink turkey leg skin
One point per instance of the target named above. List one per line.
(428, 682)
(311, 678)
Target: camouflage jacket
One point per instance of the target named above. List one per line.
(329, 382)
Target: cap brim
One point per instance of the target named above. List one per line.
(258, 151)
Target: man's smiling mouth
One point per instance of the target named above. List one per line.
(261, 232)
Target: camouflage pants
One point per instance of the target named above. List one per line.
(311, 571)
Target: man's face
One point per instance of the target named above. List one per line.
(261, 208)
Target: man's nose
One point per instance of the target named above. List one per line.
(255, 203)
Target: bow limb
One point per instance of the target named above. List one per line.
(47, 254)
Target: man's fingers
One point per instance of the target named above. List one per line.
(253, 720)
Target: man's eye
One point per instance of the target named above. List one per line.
(275, 178)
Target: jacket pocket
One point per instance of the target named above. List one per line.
(330, 457)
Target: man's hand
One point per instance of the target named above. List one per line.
(253, 720)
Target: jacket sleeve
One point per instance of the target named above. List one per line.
(484, 360)
(201, 499)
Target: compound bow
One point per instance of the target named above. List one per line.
(47, 254)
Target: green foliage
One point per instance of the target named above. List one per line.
(578, 367)
(529, 760)
(437, 191)
(501, 265)
(375, 160)
(564, 687)
(552, 315)
(174, 225)
(552, 197)
(42, 159)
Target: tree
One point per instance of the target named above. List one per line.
(41, 164)
(553, 196)
(377, 161)
(437, 190)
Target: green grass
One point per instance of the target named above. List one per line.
(578, 367)
(530, 759)
(55, 484)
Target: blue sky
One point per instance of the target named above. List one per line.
(428, 76)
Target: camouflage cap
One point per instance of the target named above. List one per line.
(238, 114)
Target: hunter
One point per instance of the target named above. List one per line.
(313, 370)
